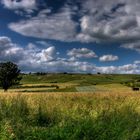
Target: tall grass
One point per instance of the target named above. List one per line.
(69, 117)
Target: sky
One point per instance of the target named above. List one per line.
(76, 36)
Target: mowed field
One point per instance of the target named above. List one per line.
(71, 107)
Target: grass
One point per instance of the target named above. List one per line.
(73, 116)
(50, 107)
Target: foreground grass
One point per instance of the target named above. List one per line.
(71, 116)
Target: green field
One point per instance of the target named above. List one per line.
(81, 79)
(74, 82)
(71, 107)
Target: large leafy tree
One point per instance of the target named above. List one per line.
(9, 75)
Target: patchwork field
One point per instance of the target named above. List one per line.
(71, 107)
(76, 83)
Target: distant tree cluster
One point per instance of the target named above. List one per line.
(41, 73)
(9, 75)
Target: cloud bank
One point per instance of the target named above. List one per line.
(32, 58)
(97, 21)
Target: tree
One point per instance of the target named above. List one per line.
(98, 73)
(9, 75)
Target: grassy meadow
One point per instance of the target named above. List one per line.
(54, 107)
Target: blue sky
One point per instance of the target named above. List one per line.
(71, 35)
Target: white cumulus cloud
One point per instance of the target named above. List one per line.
(32, 58)
(22, 4)
(81, 53)
(106, 58)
